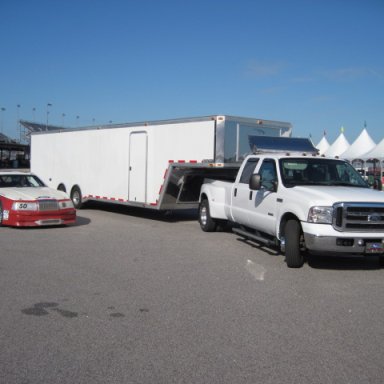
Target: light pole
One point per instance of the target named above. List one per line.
(2, 111)
(34, 114)
(48, 105)
(62, 120)
(18, 125)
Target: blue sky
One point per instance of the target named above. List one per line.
(318, 64)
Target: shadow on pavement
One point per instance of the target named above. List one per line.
(347, 262)
(167, 216)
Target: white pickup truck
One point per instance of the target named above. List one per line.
(299, 203)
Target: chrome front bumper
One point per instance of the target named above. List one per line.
(353, 245)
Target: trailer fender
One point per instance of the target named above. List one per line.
(61, 187)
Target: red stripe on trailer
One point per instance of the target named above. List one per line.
(153, 204)
(183, 161)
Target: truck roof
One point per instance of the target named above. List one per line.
(283, 155)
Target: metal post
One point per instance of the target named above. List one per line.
(1, 121)
(18, 125)
(48, 105)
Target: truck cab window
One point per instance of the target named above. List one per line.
(268, 174)
(248, 170)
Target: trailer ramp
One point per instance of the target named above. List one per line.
(181, 189)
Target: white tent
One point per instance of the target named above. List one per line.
(323, 145)
(339, 146)
(359, 147)
(375, 153)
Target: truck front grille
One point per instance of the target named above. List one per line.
(358, 217)
(48, 205)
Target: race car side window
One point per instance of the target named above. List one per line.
(34, 181)
(5, 181)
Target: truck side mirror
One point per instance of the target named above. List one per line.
(255, 182)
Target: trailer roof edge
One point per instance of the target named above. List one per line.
(240, 119)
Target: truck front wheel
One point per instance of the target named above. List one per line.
(207, 224)
(293, 235)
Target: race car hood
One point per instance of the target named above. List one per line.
(32, 193)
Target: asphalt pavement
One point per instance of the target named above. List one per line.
(127, 296)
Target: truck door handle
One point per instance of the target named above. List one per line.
(235, 192)
(250, 195)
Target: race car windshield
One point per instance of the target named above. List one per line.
(20, 181)
(317, 171)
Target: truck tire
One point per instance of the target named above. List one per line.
(207, 224)
(76, 197)
(293, 255)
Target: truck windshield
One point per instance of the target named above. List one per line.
(319, 171)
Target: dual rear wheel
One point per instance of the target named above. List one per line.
(207, 223)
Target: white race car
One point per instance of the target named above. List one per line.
(25, 201)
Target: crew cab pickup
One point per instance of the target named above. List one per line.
(300, 203)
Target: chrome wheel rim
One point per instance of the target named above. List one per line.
(203, 215)
(76, 198)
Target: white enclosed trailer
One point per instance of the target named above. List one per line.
(157, 164)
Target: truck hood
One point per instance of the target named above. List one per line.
(328, 195)
(32, 193)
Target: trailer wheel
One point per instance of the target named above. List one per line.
(207, 224)
(293, 237)
(76, 197)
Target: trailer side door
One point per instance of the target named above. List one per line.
(138, 158)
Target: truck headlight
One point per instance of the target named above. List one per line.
(66, 204)
(320, 215)
(23, 206)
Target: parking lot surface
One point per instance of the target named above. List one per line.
(126, 296)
